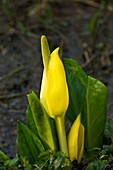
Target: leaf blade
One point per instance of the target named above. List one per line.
(95, 113)
(42, 121)
(28, 144)
(77, 84)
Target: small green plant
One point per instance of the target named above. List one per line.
(65, 91)
(94, 24)
(6, 9)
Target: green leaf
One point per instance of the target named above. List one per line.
(42, 121)
(94, 23)
(108, 136)
(31, 125)
(6, 9)
(3, 156)
(94, 115)
(14, 161)
(77, 84)
(97, 165)
(30, 121)
(89, 97)
(6, 163)
(28, 144)
(91, 154)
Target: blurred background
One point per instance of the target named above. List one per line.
(82, 28)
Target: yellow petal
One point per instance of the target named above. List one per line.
(76, 140)
(43, 91)
(80, 143)
(57, 89)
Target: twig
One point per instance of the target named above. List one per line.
(37, 8)
(96, 55)
(89, 61)
(90, 3)
(21, 36)
(8, 96)
(11, 73)
(15, 111)
(94, 4)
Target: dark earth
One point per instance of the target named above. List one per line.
(66, 24)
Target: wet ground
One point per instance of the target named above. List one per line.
(21, 66)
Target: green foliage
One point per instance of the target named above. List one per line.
(97, 165)
(3, 156)
(77, 85)
(96, 18)
(89, 97)
(21, 27)
(94, 115)
(109, 130)
(40, 133)
(105, 3)
(103, 161)
(45, 160)
(48, 160)
(28, 144)
(40, 122)
(7, 163)
(6, 8)
(30, 121)
(94, 24)
(37, 141)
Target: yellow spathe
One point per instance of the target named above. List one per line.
(57, 96)
(43, 90)
(54, 91)
(76, 140)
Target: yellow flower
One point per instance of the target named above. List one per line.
(57, 89)
(54, 90)
(76, 140)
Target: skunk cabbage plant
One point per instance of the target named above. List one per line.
(65, 91)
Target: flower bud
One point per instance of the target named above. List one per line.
(57, 90)
(76, 140)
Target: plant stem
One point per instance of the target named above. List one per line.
(60, 125)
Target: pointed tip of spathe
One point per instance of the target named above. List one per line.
(56, 51)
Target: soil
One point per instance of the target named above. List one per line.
(66, 25)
